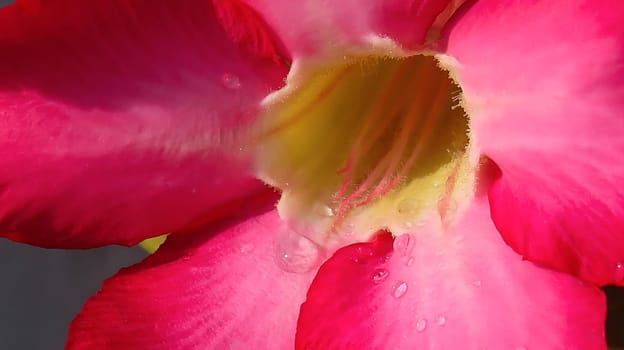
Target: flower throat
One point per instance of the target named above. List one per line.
(383, 137)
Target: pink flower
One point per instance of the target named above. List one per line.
(402, 222)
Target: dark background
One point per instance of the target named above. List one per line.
(43, 289)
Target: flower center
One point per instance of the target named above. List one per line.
(366, 144)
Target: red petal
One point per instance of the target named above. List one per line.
(544, 83)
(118, 119)
(462, 288)
(202, 291)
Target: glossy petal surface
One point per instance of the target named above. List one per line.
(199, 292)
(547, 106)
(121, 120)
(459, 289)
(312, 27)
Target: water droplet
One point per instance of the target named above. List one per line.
(402, 244)
(441, 321)
(421, 325)
(619, 271)
(295, 253)
(399, 289)
(246, 248)
(477, 283)
(409, 261)
(230, 81)
(521, 348)
(380, 275)
(324, 210)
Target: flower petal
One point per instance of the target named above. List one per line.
(311, 27)
(544, 84)
(457, 289)
(202, 291)
(121, 120)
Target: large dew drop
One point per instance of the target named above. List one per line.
(380, 275)
(296, 253)
(399, 289)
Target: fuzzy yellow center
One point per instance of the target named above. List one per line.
(366, 144)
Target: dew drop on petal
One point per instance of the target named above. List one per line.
(409, 261)
(296, 253)
(399, 289)
(401, 244)
(324, 210)
(380, 275)
(521, 348)
(477, 283)
(421, 325)
(231, 81)
(441, 321)
(619, 271)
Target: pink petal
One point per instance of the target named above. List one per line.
(118, 119)
(458, 289)
(544, 82)
(310, 27)
(202, 291)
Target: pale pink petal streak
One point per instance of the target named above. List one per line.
(310, 27)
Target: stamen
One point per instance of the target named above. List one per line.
(434, 115)
(407, 132)
(378, 108)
